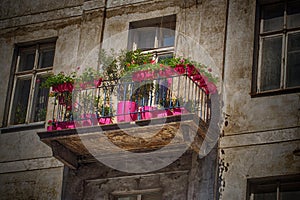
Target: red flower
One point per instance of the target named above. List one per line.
(191, 70)
(98, 82)
(180, 69)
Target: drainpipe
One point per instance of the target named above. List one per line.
(102, 34)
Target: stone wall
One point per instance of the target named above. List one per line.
(26, 163)
(259, 133)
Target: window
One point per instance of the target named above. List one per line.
(278, 47)
(155, 35)
(142, 196)
(281, 188)
(29, 100)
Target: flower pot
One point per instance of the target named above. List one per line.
(125, 111)
(146, 112)
(70, 125)
(105, 120)
(89, 120)
(161, 113)
(61, 125)
(51, 128)
(179, 111)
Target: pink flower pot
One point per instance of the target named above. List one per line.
(61, 125)
(125, 111)
(105, 120)
(179, 111)
(51, 128)
(70, 125)
(161, 113)
(146, 112)
(89, 119)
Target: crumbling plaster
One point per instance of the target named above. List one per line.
(247, 114)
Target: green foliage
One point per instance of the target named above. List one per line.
(60, 78)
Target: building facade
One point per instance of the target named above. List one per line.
(251, 46)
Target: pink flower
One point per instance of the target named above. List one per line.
(38, 80)
(98, 82)
(209, 69)
(180, 69)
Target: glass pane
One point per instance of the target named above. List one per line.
(165, 56)
(293, 12)
(168, 38)
(293, 61)
(290, 195)
(272, 16)
(26, 59)
(20, 102)
(265, 196)
(146, 38)
(271, 63)
(46, 57)
(40, 101)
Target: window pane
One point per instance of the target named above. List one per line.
(26, 59)
(293, 61)
(265, 196)
(46, 57)
(40, 101)
(168, 38)
(290, 195)
(293, 12)
(146, 38)
(20, 103)
(272, 16)
(271, 63)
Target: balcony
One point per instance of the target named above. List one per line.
(143, 113)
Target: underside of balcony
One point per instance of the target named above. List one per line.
(73, 146)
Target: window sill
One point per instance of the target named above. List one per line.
(22, 127)
(275, 92)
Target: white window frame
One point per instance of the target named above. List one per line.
(33, 75)
(158, 24)
(284, 33)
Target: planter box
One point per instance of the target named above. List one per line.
(126, 111)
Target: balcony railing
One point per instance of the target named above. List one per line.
(130, 99)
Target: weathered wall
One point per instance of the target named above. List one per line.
(259, 134)
(187, 178)
(27, 168)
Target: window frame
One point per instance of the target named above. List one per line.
(267, 181)
(159, 24)
(115, 195)
(32, 74)
(257, 56)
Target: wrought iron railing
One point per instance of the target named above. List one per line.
(128, 100)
